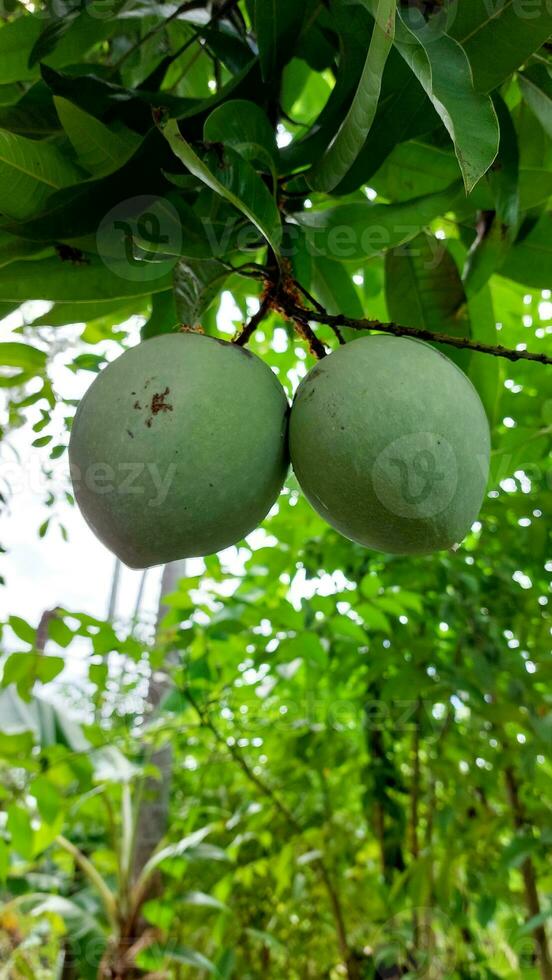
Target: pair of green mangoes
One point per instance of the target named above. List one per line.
(181, 446)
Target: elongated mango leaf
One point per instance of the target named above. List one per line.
(31, 114)
(499, 37)
(352, 232)
(234, 179)
(13, 248)
(353, 23)
(75, 211)
(16, 41)
(99, 150)
(536, 85)
(403, 112)
(64, 313)
(67, 282)
(13, 354)
(277, 25)
(415, 169)
(31, 170)
(443, 70)
(497, 228)
(50, 36)
(346, 146)
(59, 44)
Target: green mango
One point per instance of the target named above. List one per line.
(391, 445)
(179, 448)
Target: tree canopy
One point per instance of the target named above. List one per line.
(322, 761)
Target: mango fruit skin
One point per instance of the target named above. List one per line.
(390, 444)
(179, 448)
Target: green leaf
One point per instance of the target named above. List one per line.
(423, 289)
(16, 746)
(346, 146)
(536, 86)
(23, 630)
(31, 359)
(99, 150)
(241, 124)
(21, 831)
(163, 317)
(496, 231)
(188, 847)
(195, 286)
(31, 170)
(41, 442)
(4, 860)
(353, 232)
(64, 313)
(530, 260)
(47, 798)
(171, 227)
(24, 669)
(202, 900)
(66, 282)
(485, 373)
(59, 632)
(442, 68)
(50, 36)
(234, 179)
(98, 674)
(374, 618)
(73, 211)
(499, 37)
(32, 115)
(16, 40)
(403, 112)
(277, 26)
(13, 248)
(334, 287)
(158, 955)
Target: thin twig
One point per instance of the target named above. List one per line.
(249, 328)
(300, 318)
(318, 306)
(421, 334)
(285, 299)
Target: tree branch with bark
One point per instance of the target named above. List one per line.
(287, 297)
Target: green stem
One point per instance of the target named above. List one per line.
(94, 877)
